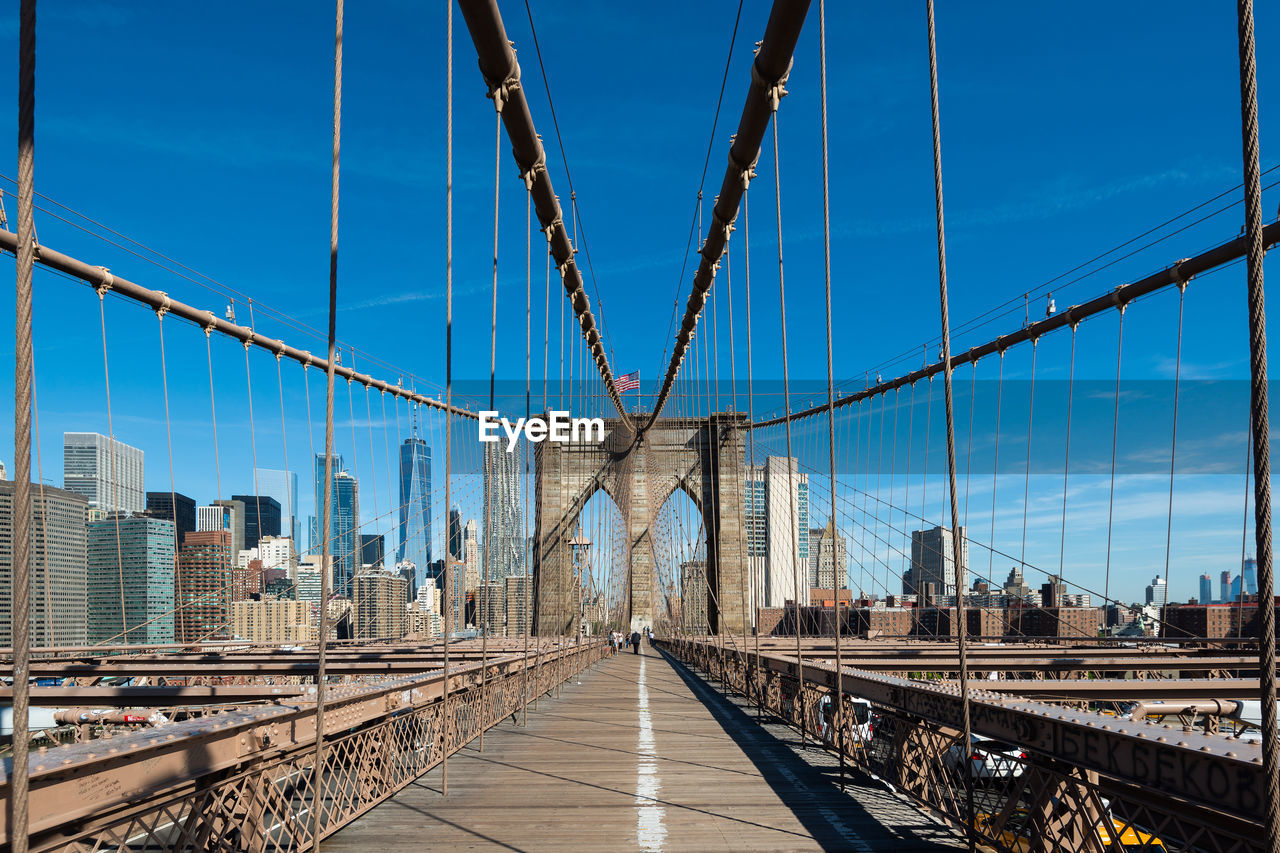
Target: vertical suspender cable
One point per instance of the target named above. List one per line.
(1026, 483)
(1261, 420)
(831, 413)
(961, 625)
(995, 466)
(23, 377)
(1066, 461)
(756, 580)
(1173, 453)
(317, 792)
(744, 576)
(1115, 431)
(115, 479)
(528, 380)
(486, 617)
(448, 388)
(168, 435)
(786, 398)
(289, 497)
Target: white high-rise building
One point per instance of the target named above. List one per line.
(107, 473)
(308, 580)
(278, 552)
(223, 515)
(1157, 592)
(471, 554)
(503, 518)
(776, 510)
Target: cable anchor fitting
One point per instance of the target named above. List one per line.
(550, 230)
(774, 90)
(501, 91)
(163, 307)
(105, 283)
(1179, 278)
(530, 175)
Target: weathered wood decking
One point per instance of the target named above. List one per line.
(641, 755)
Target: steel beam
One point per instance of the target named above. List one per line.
(768, 76)
(102, 280)
(501, 74)
(1179, 272)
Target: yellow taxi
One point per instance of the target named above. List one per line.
(1015, 836)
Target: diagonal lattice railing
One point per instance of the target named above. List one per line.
(1042, 794)
(244, 781)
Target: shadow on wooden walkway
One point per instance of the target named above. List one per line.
(641, 755)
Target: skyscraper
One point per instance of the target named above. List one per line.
(455, 534)
(519, 603)
(1157, 592)
(202, 587)
(343, 536)
(223, 515)
(106, 472)
(471, 555)
(283, 486)
(503, 519)
(776, 511)
(278, 552)
(379, 603)
(372, 550)
(933, 561)
(175, 507)
(1224, 587)
(130, 580)
(1206, 589)
(346, 531)
(317, 482)
(815, 535)
(1250, 575)
(830, 554)
(59, 606)
(261, 517)
(491, 607)
(415, 505)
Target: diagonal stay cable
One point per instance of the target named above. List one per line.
(711, 140)
(586, 249)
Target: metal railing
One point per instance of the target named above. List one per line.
(1046, 778)
(244, 780)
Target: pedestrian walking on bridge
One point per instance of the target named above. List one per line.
(635, 642)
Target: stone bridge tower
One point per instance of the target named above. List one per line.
(640, 471)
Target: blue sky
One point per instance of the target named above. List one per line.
(203, 133)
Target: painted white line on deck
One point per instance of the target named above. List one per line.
(651, 832)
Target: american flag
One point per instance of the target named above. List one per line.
(628, 382)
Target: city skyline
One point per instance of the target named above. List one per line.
(1132, 592)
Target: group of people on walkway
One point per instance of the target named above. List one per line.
(618, 640)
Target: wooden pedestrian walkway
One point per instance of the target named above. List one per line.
(640, 755)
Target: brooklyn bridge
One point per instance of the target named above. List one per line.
(874, 576)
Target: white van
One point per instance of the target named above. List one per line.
(861, 725)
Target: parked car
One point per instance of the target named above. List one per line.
(988, 759)
(862, 726)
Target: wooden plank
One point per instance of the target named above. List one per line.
(638, 756)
